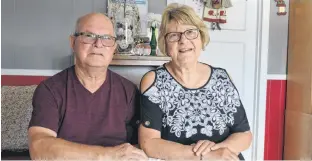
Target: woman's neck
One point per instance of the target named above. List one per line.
(187, 74)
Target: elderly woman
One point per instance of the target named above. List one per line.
(190, 110)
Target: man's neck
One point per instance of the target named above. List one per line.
(91, 78)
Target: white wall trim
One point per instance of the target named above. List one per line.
(29, 72)
(276, 76)
(261, 81)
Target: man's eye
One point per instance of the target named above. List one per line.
(107, 38)
(90, 35)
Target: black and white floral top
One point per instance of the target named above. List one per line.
(211, 112)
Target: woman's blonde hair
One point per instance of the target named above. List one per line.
(182, 14)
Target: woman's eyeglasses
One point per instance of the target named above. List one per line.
(190, 34)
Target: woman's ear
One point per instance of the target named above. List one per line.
(167, 53)
(166, 50)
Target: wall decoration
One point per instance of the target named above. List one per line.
(125, 15)
(215, 12)
(125, 34)
(280, 4)
(143, 11)
(154, 21)
(132, 26)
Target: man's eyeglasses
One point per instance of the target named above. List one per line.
(190, 34)
(89, 38)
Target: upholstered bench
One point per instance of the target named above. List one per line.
(16, 109)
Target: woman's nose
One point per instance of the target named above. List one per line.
(182, 39)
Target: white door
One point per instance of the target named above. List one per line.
(235, 48)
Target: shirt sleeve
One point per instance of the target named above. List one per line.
(133, 120)
(151, 114)
(241, 123)
(45, 109)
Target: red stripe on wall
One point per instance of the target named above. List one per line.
(17, 80)
(274, 122)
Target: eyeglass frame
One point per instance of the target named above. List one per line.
(96, 37)
(181, 35)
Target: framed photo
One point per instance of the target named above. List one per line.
(137, 9)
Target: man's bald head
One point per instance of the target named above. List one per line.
(90, 18)
(93, 51)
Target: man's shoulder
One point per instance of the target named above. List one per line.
(59, 80)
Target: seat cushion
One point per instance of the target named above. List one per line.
(16, 108)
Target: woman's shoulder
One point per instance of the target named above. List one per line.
(147, 80)
(218, 71)
(212, 67)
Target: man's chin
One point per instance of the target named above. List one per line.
(97, 65)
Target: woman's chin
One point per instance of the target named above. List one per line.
(186, 60)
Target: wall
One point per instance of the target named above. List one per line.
(278, 40)
(36, 33)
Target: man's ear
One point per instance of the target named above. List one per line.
(115, 48)
(72, 41)
(72, 44)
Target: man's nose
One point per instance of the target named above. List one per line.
(98, 43)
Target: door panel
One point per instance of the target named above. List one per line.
(299, 57)
(236, 16)
(298, 125)
(298, 129)
(234, 48)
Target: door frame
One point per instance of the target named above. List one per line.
(263, 23)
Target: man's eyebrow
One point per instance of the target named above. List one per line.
(89, 32)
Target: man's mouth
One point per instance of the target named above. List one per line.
(100, 54)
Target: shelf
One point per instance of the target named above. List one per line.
(139, 60)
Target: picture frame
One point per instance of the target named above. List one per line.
(115, 7)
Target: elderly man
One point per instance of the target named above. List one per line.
(86, 111)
